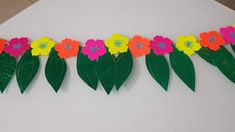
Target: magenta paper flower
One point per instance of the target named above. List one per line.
(17, 46)
(229, 34)
(161, 45)
(94, 49)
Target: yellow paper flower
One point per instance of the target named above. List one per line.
(233, 24)
(117, 44)
(187, 44)
(42, 46)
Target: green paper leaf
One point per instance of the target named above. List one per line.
(55, 70)
(7, 69)
(183, 67)
(26, 70)
(207, 55)
(226, 63)
(124, 64)
(106, 69)
(158, 68)
(87, 71)
(233, 47)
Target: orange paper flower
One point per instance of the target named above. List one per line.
(67, 48)
(139, 46)
(3, 42)
(212, 40)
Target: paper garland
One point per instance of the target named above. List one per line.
(110, 61)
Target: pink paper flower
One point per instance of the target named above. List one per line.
(229, 34)
(17, 46)
(161, 45)
(94, 49)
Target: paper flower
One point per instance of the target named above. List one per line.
(42, 46)
(94, 49)
(117, 44)
(161, 45)
(187, 44)
(212, 40)
(17, 46)
(229, 34)
(3, 42)
(233, 24)
(139, 46)
(67, 48)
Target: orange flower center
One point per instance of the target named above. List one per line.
(138, 45)
(212, 39)
(67, 47)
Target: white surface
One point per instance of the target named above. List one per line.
(141, 105)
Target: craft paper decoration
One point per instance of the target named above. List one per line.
(110, 61)
(187, 44)
(139, 46)
(17, 46)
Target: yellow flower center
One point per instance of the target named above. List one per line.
(43, 45)
(188, 44)
(118, 42)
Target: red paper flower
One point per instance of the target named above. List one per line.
(212, 40)
(139, 46)
(3, 42)
(67, 48)
(17, 46)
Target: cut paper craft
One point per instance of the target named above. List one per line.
(106, 69)
(158, 69)
(7, 69)
(124, 64)
(87, 70)
(212, 40)
(117, 44)
(17, 46)
(228, 34)
(26, 70)
(207, 55)
(187, 44)
(3, 42)
(55, 70)
(161, 45)
(42, 46)
(67, 48)
(183, 67)
(94, 49)
(226, 63)
(110, 61)
(139, 46)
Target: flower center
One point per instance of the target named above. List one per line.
(68, 47)
(188, 44)
(232, 34)
(138, 45)
(118, 42)
(43, 45)
(212, 39)
(161, 45)
(17, 46)
(94, 48)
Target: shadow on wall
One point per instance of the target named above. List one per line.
(9, 8)
(228, 3)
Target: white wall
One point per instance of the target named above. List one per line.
(141, 105)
